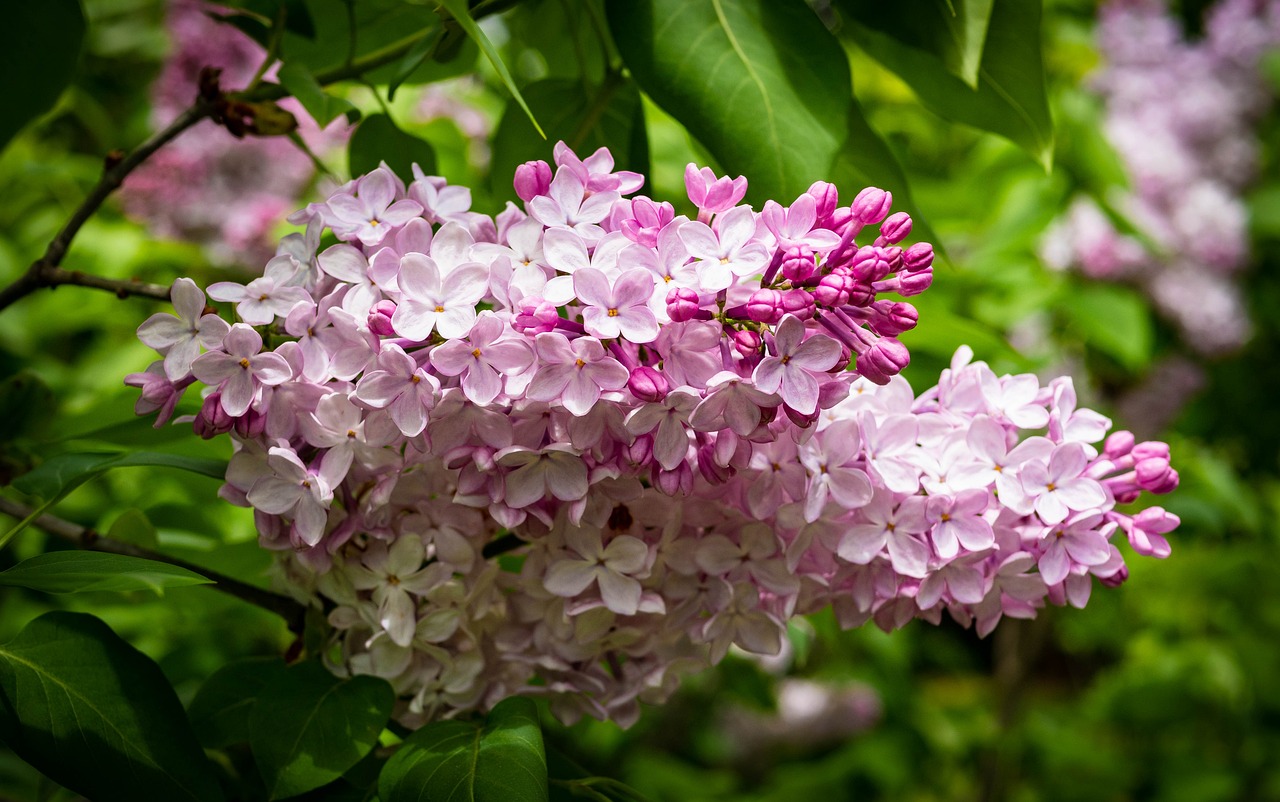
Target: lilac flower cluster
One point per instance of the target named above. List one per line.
(207, 186)
(653, 418)
(1181, 116)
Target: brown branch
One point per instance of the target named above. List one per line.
(83, 537)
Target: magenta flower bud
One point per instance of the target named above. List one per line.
(917, 257)
(798, 262)
(871, 206)
(746, 343)
(915, 283)
(1151, 449)
(380, 318)
(869, 264)
(251, 424)
(861, 293)
(765, 306)
(712, 471)
(1115, 580)
(535, 316)
(800, 419)
(1156, 475)
(1118, 445)
(798, 302)
(893, 318)
(641, 450)
(832, 291)
(648, 384)
(532, 179)
(212, 420)
(895, 229)
(884, 360)
(826, 197)
(683, 304)
(678, 481)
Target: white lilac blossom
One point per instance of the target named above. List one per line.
(666, 480)
(1181, 115)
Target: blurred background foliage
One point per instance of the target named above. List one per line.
(1167, 688)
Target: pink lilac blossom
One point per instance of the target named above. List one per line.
(206, 186)
(1181, 115)
(666, 489)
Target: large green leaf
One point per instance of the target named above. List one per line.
(308, 726)
(609, 116)
(321, 105)
(1113, 319)
(952, 31)
(83, 571)
(221, 711)
(500, 759)
(97, 716)
(761, 83)
(37, 59)
(1010, 98)
(461, 14)
(378, 140)
(379, 24)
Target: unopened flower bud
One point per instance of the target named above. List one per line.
(798, 263)
(869, 264)
(895, 229)
(871, 206)
(647, 384)
(1151, 450)
(917, 257)
(883, 361)
(826, 198)
(798, 302)
(380, 318)
(765, 306)
(678, 481)
(535, 316)
(532, 179)
(832, 291)
(1118, 445)
(683, 304)
(212, 419)
(915, 283)
(746, 343)
(893, 318)
(1115, 580)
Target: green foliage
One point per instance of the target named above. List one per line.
(87, 571)
(321, 105)
(462, 15)
(379, 139)
(308, 727)
(220, 712)
(1113, 319)
(951, 31)
(96, 715)
(37, 60)
(499, 759)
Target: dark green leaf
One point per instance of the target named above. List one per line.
(607, 116)
(220, 712)
(952, 31)
(761, 83)
(26, 405)
(133, 526)
(321, 105)
(377, 140)
(570, 781)
(97, 716)
(308, 726)
(58, 475)
(412, 60)
(85, 571)
(297, 17)
(1115, 320)
(379, 24)
(1010, 99)
(462, 15)
(498, 760)
(37, 59)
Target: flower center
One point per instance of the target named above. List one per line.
(476, 353)
(613, 313)
(439, 309)
(244, 363)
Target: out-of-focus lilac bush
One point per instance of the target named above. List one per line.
(1181, 115)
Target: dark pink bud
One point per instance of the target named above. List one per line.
(1156, 475)
(678, 481)
(535, 316)
(648, 384)
(914, 283)
(251, 424)
(213, 420)
(884, 360)
(683, 304)
(826, 198)
(641, 449)
(861, 293)
(917, 257)
(895, 229)
(798, 263)
(532, 179)
(712, 471)
(1115, 580)
(832, 291)
(871, 206)
(1151, 449)
(869, 264)
(1118, 445)
(798, 302)
(746, 343)
(765, 306)
(380, 318)
(799, 419)
(893, 318)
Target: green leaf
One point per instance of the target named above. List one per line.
(221, 709)
(297, 17)
(1010, 99)
(379, 24)
(97, 716)
(500, 759)
(462, 15)
(321, 105)
(85, 571)
(952, 31)
(1115, 320)
(377, 139)
(609, 116)
(133, 526)
(412, 60)
(570, 781)
(761, 83)
(37, 60)
(308, 726)
(26, 405)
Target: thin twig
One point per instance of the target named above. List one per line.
(83, 537)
